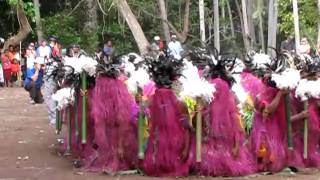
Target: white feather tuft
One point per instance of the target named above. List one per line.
(193, 86)
(137, 79)
(260, 60)
(83, 63)
(63, 97)
(288, 79)
(307, 89)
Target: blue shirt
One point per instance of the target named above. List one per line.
(30, 73)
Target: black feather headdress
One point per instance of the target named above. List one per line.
(164, 70)
(216, 65)
(64, 75)
(110, 69)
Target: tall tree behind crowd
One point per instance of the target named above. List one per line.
(296, 22)
(38, 20)
(216, 24)
(272, 26)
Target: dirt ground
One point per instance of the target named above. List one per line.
(26, 136)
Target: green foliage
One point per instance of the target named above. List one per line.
(29, 10)
(13, 2)
(308, 18)
(64, 27)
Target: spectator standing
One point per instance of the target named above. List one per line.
(50, 85)
(288, 45)
(157, 46)
(43, 50)
(108, 51)
(174, 47)
(11, 53)
(6, 66)
(304, 48)
(33, 83)
(30, 55)
(15, 71)
(1, 74)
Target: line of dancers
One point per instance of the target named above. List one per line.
(206, 114)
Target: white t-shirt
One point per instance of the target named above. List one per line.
(175, 48)
(44, 51)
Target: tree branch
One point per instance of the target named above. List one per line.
(75, 8)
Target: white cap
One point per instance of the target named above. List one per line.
(2, 40)
(156, 38)
(173, 36)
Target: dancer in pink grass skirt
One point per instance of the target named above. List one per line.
(168, 145)
(115, 134)
(224, 151)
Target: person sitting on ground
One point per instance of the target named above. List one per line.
(15, 71)
(174, 47)
(33, 82)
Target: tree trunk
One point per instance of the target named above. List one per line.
(251, 28)
(38, 20)
(272, 26)
(91, 24)
(202, 22)
(261, 33)
(134, 26)
(231, 18)
(164, 18)
(24, 30)
(182, 36)
(223, 14)
(318, 41)
(241, 22)
(245, 30)
(296, 23)
(216, 24)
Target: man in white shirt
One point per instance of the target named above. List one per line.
(43, 50)
(175, 47)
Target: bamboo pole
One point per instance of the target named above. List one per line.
(76, 118)
(198, 132)
(140, 132)
(84, 108)
(288, 120)
(305, 133)
(58, 119)
(68, 152)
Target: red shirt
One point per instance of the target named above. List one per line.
(15, 68)
(6, 64)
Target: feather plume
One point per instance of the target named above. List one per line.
(288, 79)
(193, 86)
(63, 97)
